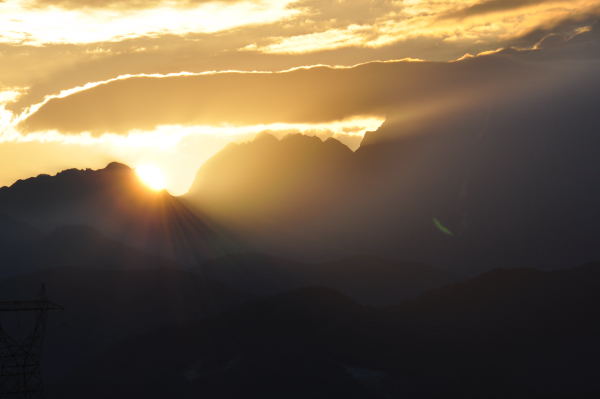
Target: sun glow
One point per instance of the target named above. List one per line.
(176, 151)
(38, 26)
(152, 176)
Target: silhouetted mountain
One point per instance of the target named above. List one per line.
(508, 180)
(270, 183)
(508, 333)
(369, 280)
(378, 281)
(75, 246)
(13, 231)
(15, 236)
(513, 180)
(114, 201)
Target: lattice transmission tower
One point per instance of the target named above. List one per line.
(20, 356)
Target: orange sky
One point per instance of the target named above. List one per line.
(84, 82)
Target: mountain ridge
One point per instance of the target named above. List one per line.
(114, 201)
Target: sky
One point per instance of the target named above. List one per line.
(170, 83)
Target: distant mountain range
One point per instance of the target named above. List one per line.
(508, 181)
(487, 162)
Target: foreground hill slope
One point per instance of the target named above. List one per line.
(103, 305)
(508, 333)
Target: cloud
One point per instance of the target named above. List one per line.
(307, 32)
(401, 22)
(49, 69)
(118, 4)
(492, 6)
(574, 31)
(51, 25)
(278, 45)
(311, 95)
(237, 98)
(319, 94)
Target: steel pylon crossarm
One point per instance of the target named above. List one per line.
(20, 357)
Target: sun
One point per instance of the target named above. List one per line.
(152, 176)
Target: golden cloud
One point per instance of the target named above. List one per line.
(40, 26)
(489, 21)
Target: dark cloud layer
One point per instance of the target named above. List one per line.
(301, 96)
(67, 66)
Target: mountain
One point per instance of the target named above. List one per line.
(14, 231)
(512, 180)
(503, 178)
(378, 281)
(14, 238)
(247, 351)
(278, 194)
(269, 183)
(369, 280)
(72, 246)
(113, 201)
(506, 333)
